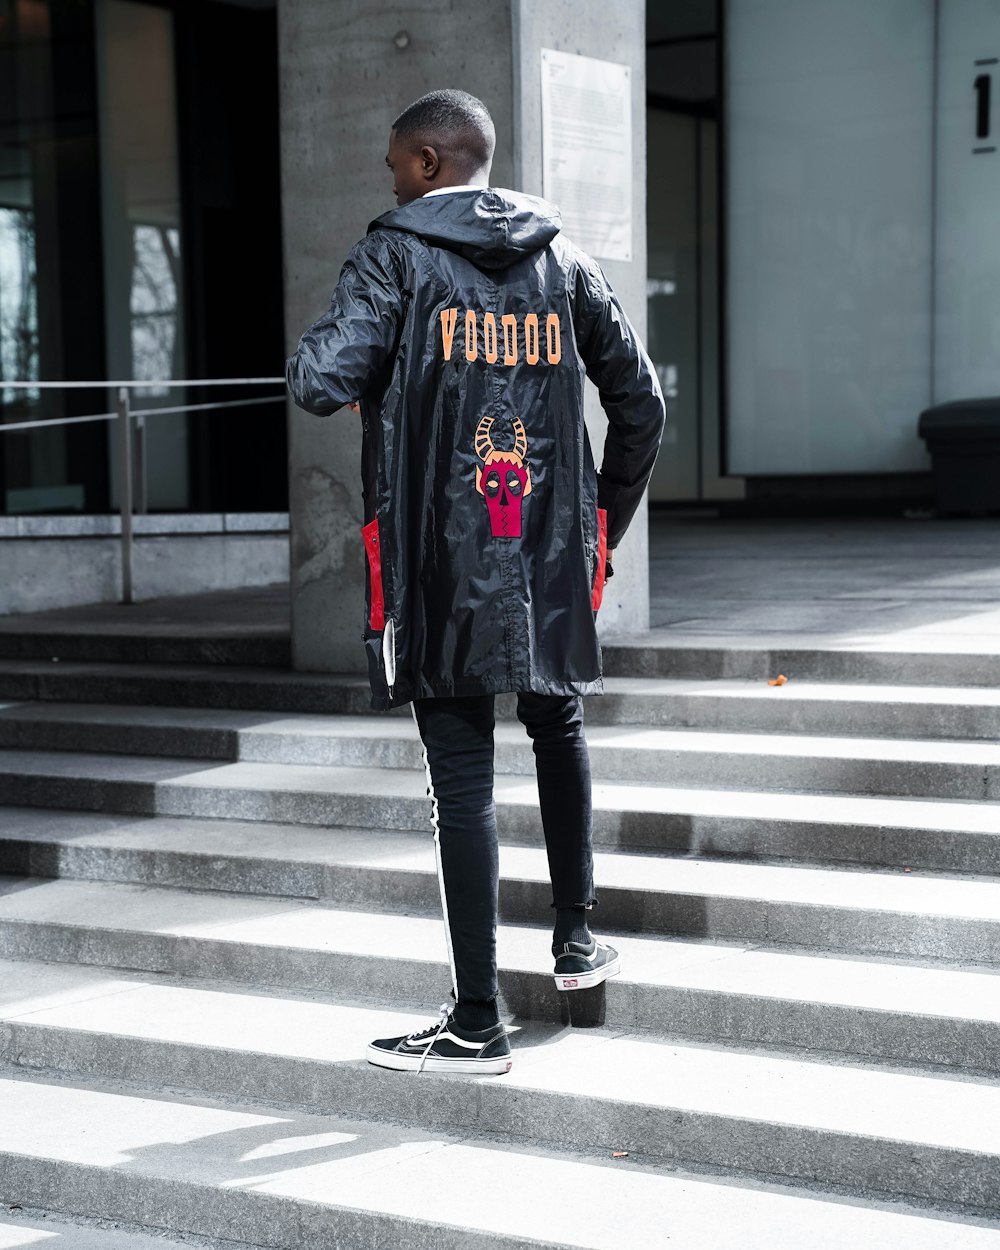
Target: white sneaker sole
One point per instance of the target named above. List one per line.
(587, 980)
(410, 1063)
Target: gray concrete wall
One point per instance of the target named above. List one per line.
(62, 562)
(344, 77)
(343, 80)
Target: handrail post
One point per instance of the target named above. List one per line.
(139, 444)
(125, 489)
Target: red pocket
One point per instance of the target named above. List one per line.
(373, 549)
(602, 556)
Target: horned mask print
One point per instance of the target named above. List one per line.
(504, 478)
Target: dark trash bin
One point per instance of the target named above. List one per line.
(963, 438)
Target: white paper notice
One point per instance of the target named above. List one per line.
(587, 150)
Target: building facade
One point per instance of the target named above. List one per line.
(809, 243)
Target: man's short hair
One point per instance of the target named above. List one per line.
(457, 124)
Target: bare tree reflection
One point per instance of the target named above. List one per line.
(18, 307)
(154, 299)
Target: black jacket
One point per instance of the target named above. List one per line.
(466, 323)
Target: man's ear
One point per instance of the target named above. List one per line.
(429, 160)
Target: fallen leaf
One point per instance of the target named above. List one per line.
(780, 680)
(619, 1154)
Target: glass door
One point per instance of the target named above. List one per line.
(51, 284)
(682, 161)
(141, 199)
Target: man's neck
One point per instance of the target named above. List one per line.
(465, 186)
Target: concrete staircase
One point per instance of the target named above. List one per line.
(211, 904)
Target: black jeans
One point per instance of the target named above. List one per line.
(457, 734)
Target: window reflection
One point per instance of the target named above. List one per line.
(18, 303)
(155, 269)
(141, 204)
(51, 294)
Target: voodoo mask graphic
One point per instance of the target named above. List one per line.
(504, 478)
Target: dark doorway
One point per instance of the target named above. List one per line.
(683, 91)
(227, 80)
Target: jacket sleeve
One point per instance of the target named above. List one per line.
(339, 356)
(620, 367)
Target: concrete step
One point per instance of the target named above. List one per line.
(954, 835)
(253, 647)
(291, 1179)
(801, 706)
(40, 1230)
(931, 660)
(49, 1014)
(701, 983)
(940, 661)
(246, 627)
(274, 688)
(911, 1132)
(913, 914)
(678, 757)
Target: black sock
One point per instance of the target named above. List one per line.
(476, 1014)
(571, 926)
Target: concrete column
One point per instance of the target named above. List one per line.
(610, 32)
(347, 69)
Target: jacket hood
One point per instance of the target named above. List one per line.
(493, 227)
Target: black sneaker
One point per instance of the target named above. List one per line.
(444, 1047)
(581, 967)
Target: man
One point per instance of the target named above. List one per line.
(465, 323)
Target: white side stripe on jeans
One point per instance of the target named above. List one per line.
(437, 855)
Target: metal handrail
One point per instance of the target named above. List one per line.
(140, 412)
(123, 414)
(6, 426)
(165, 382)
